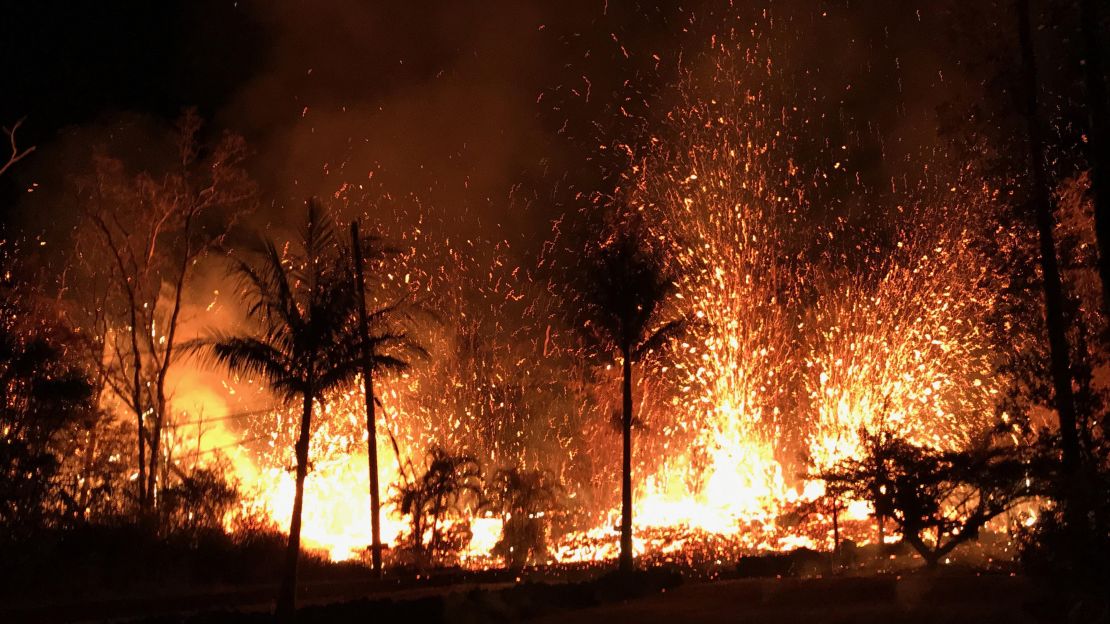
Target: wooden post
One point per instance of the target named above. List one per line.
(368, 390)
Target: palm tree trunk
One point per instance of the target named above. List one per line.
(287, 595)
(368, 391)
(1098, 138)
(1053, 289)
(626, 468)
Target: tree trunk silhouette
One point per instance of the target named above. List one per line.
(1098, 139)
(287, 595)
(931, 559)
(368, 391)
(163, 362)
(136, 398)
(433, 546)
(626, 467)
(1053, 289)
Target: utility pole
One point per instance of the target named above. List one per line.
(368, 390)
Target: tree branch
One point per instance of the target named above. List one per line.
(16, 155)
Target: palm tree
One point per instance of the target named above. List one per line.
(627, 284)
(304, 309)
(384, 349)
(451, 485)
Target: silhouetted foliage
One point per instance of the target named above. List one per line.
(936, 499)
(93, 480)
(1073, 559)
(42, 392)
(524, 499)
(1050, 549)
(437, 501)
(199, 501)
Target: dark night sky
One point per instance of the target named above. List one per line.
(69, 62)
(465, 104)
(286, 74)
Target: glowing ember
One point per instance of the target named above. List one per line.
(791, 356)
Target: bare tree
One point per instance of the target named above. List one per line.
(140, 238)
(16, 154)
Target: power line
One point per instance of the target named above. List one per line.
(232, 416)
(227, 446)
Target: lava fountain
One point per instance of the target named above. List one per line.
(791, 356)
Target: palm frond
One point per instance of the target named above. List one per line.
(660, 338)
(319, 233)
(250, 356)
(627, 282)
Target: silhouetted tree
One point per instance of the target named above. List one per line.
(1049, 551)
(385, 348)
(1041, 200)
(200, 500)
(42, 392)
(627, 285)
(451, 485)
(936, 499)
(523, 499)
(93, 482)
(303, 304)
(140, 238)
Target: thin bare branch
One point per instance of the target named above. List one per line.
(16, 154)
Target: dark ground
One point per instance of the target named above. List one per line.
(234, 583)
(889, 600)
(947, 596)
